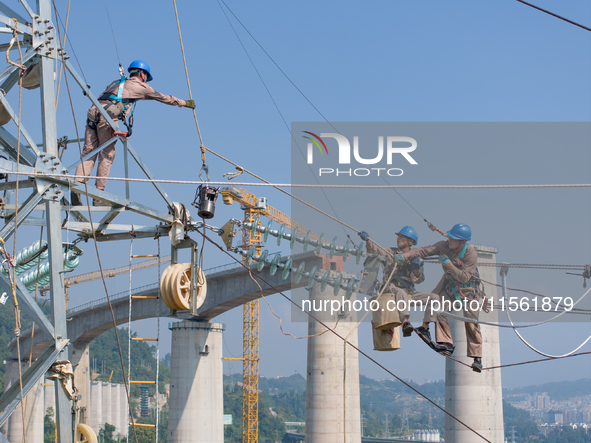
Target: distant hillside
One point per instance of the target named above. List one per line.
(560, 390)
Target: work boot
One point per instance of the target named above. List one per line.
(445, 348)
(424, 334)
(407, 329)
(75, 199)
(477, 365)
(98, 202)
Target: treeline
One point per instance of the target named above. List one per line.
(104, 355)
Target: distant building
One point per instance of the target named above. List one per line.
(542, 402)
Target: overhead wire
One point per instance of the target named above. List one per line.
(534, 361)
(280, 113)
(278, 67)
(112, 32)
(266, 183)
(349, 343)
(201, 142)
(535, 349)
(555, 15)
(431, 226)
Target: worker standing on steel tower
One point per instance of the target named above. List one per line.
(402, 285)
(119, 101)
(461, 282)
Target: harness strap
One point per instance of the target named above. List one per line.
(463, 251)
(119, 97)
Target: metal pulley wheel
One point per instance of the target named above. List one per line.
(175, 287)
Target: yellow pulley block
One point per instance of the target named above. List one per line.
(164, 291)
(85, 434)
(175, 287)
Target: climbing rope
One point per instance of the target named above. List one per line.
(12, 274)
(204, 167)
(7, 264)
(129, 317)
(158, 350)
(127, 388)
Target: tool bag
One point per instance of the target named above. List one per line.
(384, 319)
(385, 340)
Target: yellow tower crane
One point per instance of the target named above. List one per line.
(254, 207)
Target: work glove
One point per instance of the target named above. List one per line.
(444, 260)
(364, 235)
(399, 258)
(190, 104)
(417, 264)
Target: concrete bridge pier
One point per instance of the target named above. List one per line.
(80, 362)
(196, 383)
(329, 414)
(34, 403)
(476, 399)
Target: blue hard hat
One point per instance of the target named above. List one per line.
(461, 231)
(140, 64)
(409, 232)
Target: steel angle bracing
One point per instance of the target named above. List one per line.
(15, 118)
(27, 304)
(47, 177)
(11, 397)
(9, 12)
(11, 147)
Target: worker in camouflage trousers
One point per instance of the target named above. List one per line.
(409, 273)
(118, 100)
(460, 282)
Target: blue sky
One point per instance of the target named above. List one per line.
(404, 61)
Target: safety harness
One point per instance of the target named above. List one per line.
(118, 108)
(402, 278)
(473, 290)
